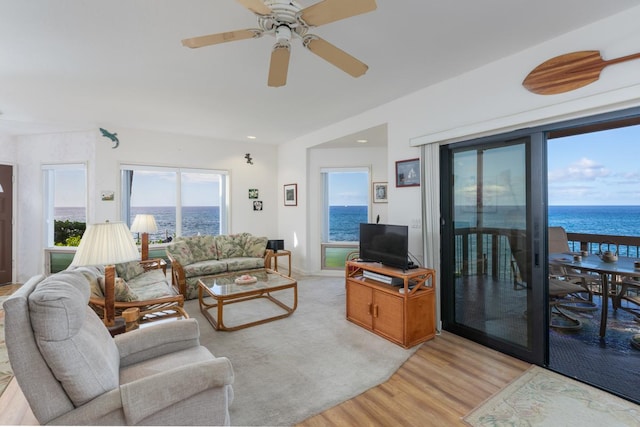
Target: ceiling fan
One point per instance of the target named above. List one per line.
(286, 19)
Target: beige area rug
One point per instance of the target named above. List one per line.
(5, 369)
(543, 398)
(293, 368)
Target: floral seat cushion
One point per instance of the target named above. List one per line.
(205, 268)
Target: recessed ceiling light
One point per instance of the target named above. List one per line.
(362, 141)
(251, 137)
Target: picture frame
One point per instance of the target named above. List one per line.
(380, 191)
(253, 193)
(257, 205)
(408, 173)
(291, 195)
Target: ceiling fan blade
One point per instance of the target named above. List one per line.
(279, 66)
(256, 6)
(334, 55)
(328, 11)
(221, 38)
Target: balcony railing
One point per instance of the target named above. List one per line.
(500, 253)
(594, 243)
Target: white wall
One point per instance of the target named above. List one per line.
(32, 152)
(145, 148)
(7, 149)
(488, 100)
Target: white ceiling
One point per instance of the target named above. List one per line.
(68, 65)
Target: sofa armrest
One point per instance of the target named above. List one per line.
(268, 254)
(178, 278)
(172, 386)
(156, 340)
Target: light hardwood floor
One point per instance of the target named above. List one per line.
(443, 381)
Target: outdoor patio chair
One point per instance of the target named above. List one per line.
(589, 283)
(630, 292)
(558, 292)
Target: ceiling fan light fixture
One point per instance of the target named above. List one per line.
(283, 34)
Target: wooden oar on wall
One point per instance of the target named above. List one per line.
(568, 72)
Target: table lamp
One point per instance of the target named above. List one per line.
(107, 244)
(144, 224)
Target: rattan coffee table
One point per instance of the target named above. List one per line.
(223, 290)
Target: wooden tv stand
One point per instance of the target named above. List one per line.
(403, 314)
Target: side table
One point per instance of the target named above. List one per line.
(276, 255)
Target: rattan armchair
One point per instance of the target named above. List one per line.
(149, 291)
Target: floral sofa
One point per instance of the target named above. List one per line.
(198, 256)
(136, 286)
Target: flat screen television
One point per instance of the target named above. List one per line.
(385, 243)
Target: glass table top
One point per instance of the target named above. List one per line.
(225, 284)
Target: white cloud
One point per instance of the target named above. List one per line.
(583, 170)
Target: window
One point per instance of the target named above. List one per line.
(345, 206)
(65, 203)
(184, 202)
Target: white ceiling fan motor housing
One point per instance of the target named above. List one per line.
(285, 13)
(283, 34)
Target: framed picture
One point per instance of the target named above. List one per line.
(291, 195)
(257, 205)
(253, 193)
(380, 192)
(408, 173)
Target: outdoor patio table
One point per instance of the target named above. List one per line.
(623, 267)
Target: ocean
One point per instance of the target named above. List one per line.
(195, 219)
(345, 220)
(613, 220)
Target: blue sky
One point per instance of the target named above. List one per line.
(348, 189)
(599, 168)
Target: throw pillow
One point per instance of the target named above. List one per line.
(229, 245)
(180, 251)
(92, 274)
(129, 270)
(122, 290)
(203, 248)
(255, 246)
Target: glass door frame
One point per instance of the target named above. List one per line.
(536, 229)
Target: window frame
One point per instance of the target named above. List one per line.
(125, 206)
(49, 196)
(341, 246)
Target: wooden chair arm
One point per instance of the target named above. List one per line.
(151, 309)
(155, 263)
(178, 279)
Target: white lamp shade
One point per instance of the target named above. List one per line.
(144, 224)
(106, 243)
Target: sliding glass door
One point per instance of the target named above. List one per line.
(493, 223)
